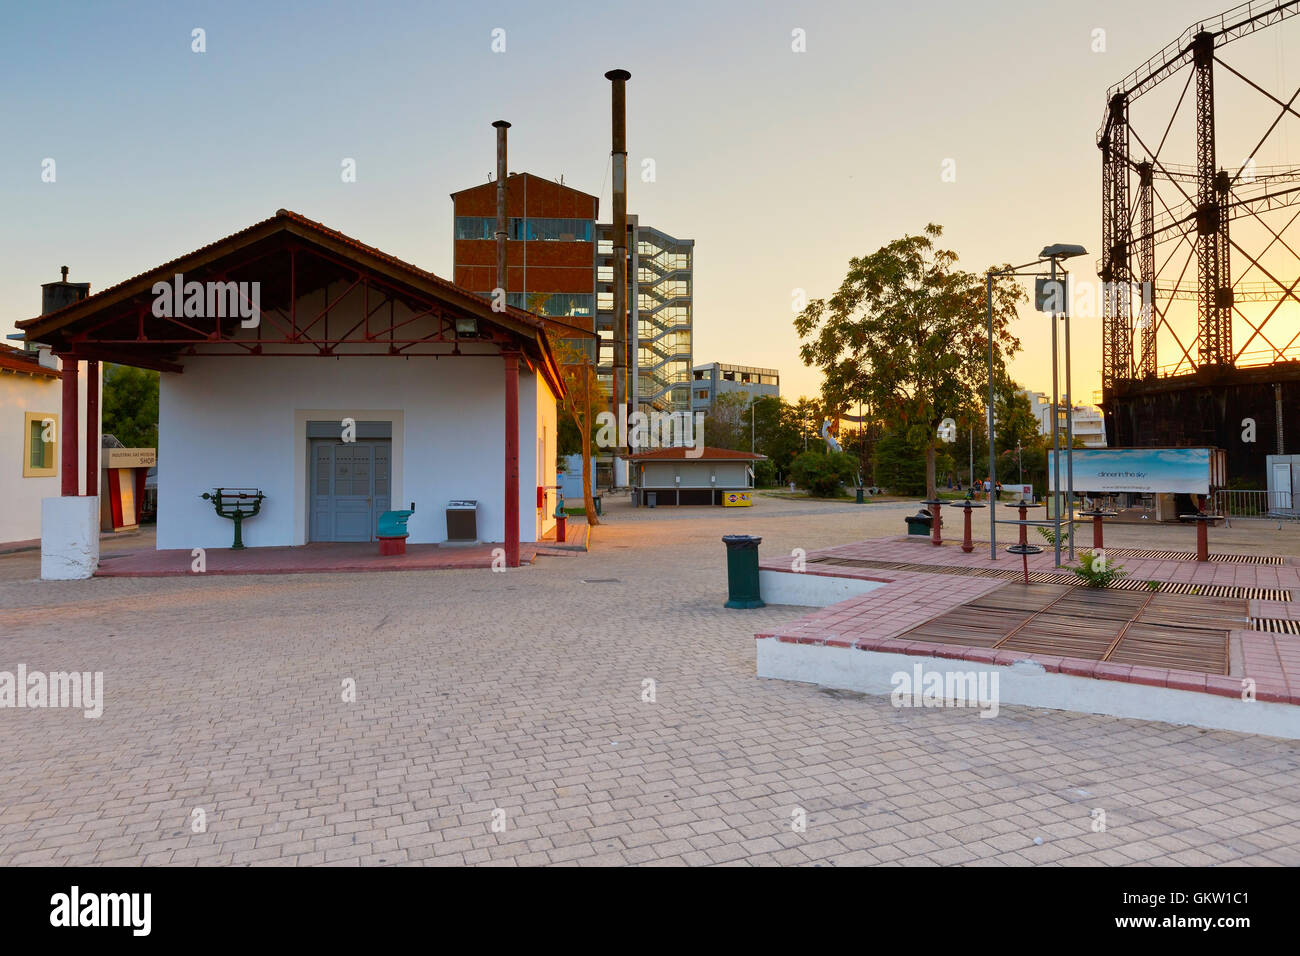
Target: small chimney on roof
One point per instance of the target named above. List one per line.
(58, 295)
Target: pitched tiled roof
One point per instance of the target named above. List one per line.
(518, 321)
(288, 215)
(19, 360)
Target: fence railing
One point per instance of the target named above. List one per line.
(1278, 505)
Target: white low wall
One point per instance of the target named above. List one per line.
(810, 590)
(69, 538)
(1028, 684)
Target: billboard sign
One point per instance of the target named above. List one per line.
(1137, 470)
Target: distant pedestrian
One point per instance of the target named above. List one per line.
(998, 492)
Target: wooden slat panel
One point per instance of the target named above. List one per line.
(1180, 632)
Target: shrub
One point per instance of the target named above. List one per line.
(1096, 571)
(1050, 533)
(822, 474)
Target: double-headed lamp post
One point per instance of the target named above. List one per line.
(1059, 308)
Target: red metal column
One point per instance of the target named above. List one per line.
(71, 434)
(512, 459)
(92, 428)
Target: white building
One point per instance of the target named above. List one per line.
(339, 381)
(31, 425)
(1087, 422)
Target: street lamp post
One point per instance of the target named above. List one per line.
(1052, 255)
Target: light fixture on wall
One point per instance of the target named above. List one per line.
(466, 327)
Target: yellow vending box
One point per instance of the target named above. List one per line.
(737, 499)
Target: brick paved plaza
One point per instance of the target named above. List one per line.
(522, 691)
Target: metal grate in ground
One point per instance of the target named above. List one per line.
(1275, 625)
(1191, 556)
(1067, 578)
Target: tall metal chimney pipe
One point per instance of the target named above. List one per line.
(618, 80)
(501, 127)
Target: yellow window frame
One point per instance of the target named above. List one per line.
(51, 456)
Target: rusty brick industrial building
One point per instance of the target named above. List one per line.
(550, 249)
(559, 265)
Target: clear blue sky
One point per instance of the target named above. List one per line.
(780, 165)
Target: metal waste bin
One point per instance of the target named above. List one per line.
(462, 521)
(920, 523)
(651, 499)
(742, 571)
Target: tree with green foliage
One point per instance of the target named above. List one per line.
(130, 409)
(822, 474)
(1014, 420)
(584, 399)
(776, 434)
(807, 415)
(726, 423)
(900, 461)
(906, 334)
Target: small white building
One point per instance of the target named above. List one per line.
(31, 424)
(690, 476)
(339, 381)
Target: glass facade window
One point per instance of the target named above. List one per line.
(475, 227)
(563, 230)
(557, 304)
(529, 230)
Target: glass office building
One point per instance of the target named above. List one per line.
(660, 281)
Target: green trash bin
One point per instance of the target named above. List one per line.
(919, 523)
(742, 571)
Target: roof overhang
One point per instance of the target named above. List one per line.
(291, 256)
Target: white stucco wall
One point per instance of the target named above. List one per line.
(241, 422)
(20, 514)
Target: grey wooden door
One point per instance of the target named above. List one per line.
(351, 488)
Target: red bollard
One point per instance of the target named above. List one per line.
(1096, 532)
(1024, 532)
(1202, 540)
(560, 521)
(936, 535)
(967, 543)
